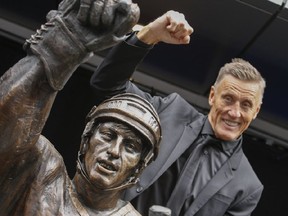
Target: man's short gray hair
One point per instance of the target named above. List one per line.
(242, 70)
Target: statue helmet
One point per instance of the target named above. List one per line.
(134, 111)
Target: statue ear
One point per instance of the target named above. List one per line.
(86, 137)
(83, 149)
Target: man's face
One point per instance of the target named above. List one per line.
(114, 151)
(234, 104)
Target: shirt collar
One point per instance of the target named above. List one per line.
(226, 146)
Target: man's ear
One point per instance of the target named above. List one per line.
(257, 111)
(211, 95)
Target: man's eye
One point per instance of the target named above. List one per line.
(228, 99)
(246, 105)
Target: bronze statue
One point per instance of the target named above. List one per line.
(121, 136)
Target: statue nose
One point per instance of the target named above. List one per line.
(114, 149)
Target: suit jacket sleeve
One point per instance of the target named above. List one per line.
(246, 206)
(113, 74)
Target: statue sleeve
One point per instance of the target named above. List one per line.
(25, 103)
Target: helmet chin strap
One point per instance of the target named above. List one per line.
(84, 174)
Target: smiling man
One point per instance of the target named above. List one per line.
(201, 169)
(235, 99)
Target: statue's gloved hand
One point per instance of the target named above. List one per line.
(99, 24)
(76, 29)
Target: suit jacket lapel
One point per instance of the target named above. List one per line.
(155, 170)
(189, 135)
(222, 177)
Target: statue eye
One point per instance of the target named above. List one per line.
(132, 146)
(106, 135)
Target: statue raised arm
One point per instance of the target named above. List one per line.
(33, 177)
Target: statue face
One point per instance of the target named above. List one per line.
(113, 154)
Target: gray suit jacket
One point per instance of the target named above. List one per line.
(234, 190)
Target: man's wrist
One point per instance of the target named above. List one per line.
(147, 36)
(135, 41)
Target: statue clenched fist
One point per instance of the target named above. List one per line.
(115, 16)
(105, 21)
(98, 24)
(78, 28)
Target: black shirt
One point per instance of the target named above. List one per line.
(212, 157)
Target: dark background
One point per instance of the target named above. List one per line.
(256, 30)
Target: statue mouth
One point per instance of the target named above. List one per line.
(107, 165)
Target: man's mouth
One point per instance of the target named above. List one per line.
(231, 123)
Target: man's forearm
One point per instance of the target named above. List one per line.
(111, 76)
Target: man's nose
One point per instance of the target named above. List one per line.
(235, 111)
